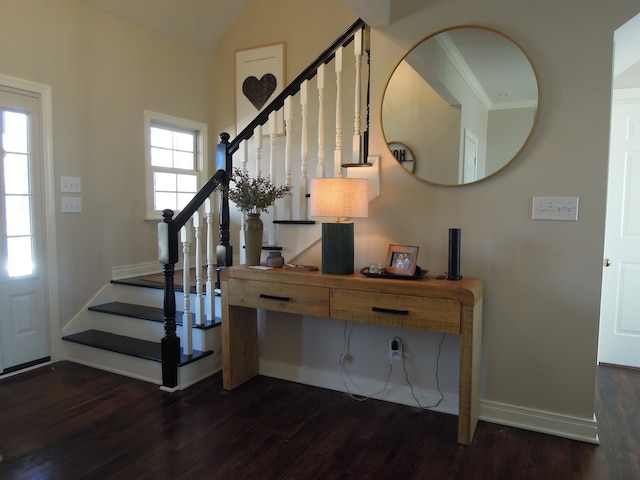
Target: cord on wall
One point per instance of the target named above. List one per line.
(397, 347)
(343, 374)
(406, 374)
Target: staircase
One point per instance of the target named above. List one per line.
(124, 330)
(120, 331)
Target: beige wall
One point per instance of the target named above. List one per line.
(542, 279)
(104, 72)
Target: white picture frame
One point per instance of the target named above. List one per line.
(259, 78)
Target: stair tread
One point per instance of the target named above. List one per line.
(144, 312)
(135, 347)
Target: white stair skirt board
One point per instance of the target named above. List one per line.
(525, 418)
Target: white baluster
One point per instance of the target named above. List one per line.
(337, 153)
(288, 207)
(320, 79)
(304, 153)
(245, 155)
(357, 124)
(257, 138)
(187, 346)
(199, 307)
(210, 307)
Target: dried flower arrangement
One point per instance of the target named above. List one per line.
(254, 195)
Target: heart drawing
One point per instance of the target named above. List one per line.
(259, 91)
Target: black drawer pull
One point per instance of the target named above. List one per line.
(390, 310)
(274, 297)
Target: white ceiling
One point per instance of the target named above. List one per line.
(198, 23)
(202, 23)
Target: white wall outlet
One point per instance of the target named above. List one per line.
(555, 208)
(395, 350)
(71, 204)
(70, 185)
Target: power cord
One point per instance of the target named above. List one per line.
(343, 356)
(362, 398)
(406, 374)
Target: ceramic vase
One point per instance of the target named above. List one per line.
(253, 238)
(275, 260)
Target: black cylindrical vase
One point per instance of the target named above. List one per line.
(454, 254)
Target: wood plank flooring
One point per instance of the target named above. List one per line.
(70, 422)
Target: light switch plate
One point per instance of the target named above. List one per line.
(71, 204)
(555, 208)
(70, 185)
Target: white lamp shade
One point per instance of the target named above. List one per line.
(339, 197)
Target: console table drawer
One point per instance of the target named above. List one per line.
(300, 299)
(427, 313)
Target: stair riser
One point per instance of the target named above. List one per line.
(147, 330)
(141, 369)
(152, 297)
(126, 365)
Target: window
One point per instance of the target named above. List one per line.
(16, 162)
(176, 160)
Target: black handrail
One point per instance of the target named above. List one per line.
(307, 74)
(169, 228)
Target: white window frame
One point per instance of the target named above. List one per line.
(163, 120)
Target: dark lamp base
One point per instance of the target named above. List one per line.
(337, 248)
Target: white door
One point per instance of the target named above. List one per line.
(24, 336)
(620, 307)
(470, 158)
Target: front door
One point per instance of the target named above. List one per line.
(620, 306)
(24, 335)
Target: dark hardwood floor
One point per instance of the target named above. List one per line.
(70, 422)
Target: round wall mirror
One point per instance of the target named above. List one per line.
(464, 101)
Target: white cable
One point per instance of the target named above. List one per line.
(359, 398)
(406, 374)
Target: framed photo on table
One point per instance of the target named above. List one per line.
(401, 260)
(259, 78)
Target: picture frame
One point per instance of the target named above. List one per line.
(401, 260)
(259, 78)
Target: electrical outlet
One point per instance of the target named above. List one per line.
(395, 350)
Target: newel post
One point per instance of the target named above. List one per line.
(224, 161)
(170, 343)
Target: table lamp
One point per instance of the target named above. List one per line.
(338, 198)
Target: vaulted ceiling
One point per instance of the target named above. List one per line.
(202, 23)
(198, 23)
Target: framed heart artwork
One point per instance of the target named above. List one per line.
(259, 79)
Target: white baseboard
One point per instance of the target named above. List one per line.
(585, 430)
(525, 418)
(359, 386)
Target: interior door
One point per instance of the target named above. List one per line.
(620, 307)
(24, 336)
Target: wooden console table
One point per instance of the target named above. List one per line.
(427, 304)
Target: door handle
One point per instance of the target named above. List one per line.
(606, 262)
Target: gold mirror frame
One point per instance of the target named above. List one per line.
(414, 111)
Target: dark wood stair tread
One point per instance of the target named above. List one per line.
(143, 312)
(129, 346)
